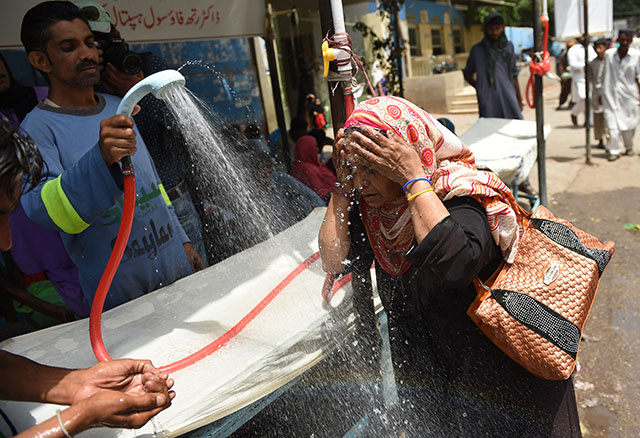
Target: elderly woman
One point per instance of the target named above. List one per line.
(410, 199)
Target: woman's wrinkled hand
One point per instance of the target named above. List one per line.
(389, 155)
(343, 172)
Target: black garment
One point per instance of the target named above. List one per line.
(452, 381)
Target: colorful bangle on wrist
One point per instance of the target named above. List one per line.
(430, 189)
(404, 188)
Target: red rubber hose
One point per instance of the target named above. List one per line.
(215, 345)
(539, 68)
(95, 317)
(349, 105)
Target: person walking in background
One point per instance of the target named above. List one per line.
(565, 76)
(316, 111)
(493, 62)
(597, 74)
(379, 80)
(620, 89)
(575, 58)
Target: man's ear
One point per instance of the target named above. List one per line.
(40, 61)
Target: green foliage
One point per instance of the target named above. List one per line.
(386, 50)
(626, 8)
(520, 15)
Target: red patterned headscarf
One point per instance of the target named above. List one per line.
(450, 166)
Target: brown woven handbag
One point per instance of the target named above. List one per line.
(535, 309)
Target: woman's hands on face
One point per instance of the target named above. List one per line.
(390, 156)
(343, 172)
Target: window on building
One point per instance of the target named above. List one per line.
(436, 39)
(458, 44)
(414, 42)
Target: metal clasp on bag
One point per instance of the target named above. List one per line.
(551, 273)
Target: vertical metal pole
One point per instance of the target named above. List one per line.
(397, 42)
(336, 99)
(587, 100)
(542, 153)
(269, 35)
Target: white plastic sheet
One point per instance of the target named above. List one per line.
(569, 17)
(506, 147)
(283, 341)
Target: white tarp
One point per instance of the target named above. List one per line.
(506, 147)
(569, 17)
(158, 20)
(283, 341)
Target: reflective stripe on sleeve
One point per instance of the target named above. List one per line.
(60, 209)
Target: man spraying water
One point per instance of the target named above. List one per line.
(82, 142)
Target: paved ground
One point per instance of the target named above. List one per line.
(599, 198)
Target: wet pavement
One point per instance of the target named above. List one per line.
(607, 386)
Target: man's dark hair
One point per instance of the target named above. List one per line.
(493, 18)
(20, 161)
(625, 32)
(601, 42)
(37, 22)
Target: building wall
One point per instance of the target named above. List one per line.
(425, 18)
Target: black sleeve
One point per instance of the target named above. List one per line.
(458, 247)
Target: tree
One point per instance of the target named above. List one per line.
(389, 49)
(521, 14)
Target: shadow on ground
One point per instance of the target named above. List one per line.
(607, 387)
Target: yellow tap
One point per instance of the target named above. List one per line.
(328, 55)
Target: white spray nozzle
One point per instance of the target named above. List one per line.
(154, 84)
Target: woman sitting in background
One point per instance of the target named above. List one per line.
(429, 241)
(308, 169)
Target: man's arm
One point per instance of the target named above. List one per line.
(124, 393)
(516, 85)
(69, 200)
(470, 68)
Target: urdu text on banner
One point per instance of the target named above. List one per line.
(159, 20)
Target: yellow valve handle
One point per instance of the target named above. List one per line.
(328, 55)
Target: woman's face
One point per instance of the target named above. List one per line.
(375, 188)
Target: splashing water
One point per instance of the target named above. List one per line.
(238, 215)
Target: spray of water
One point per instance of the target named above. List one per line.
(232, 198)
(239, 214)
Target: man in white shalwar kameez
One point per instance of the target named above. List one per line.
(620, 88)
(575, 59)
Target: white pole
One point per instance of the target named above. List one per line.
(339, 28)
